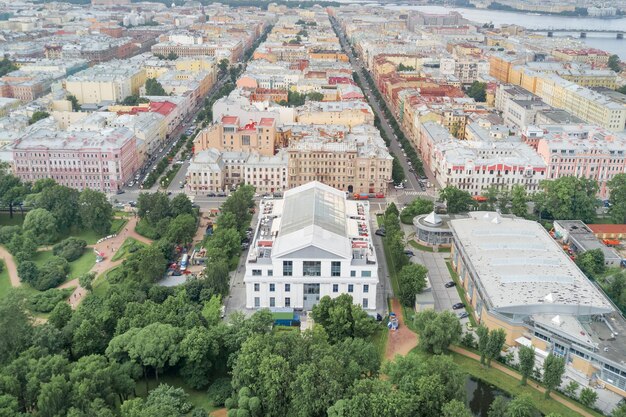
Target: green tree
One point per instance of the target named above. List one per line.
(415, 208)
(315, 96)
(571, 389)
(588, 397)
(592, 263)
(397, 172)
(497, 337)
(498, 407)
(614, 63)
(37, 116)
(521, 406)
(223, 65)
(239, 204)
(12, 191)
(52, 273)
(553, 369)
(7, 66)
(570, 198)
(518, 201)
(199, 350)
(60, 315)
(86, 280)
(455, 408)
(622, 89)
(478, 91)
(70, 248)
(95, 211)
(181, 230)
(171, 56)
(483, 339)
(14, 321)
(52, 400)
(28, 272)
(224, 244)
(342, 319)
(457, 201)
(526, 355)
(154, 207)
(180, 205)
(411, 281)
(62, 203)
(154, 88)
(147, 264)
(619, 411)
(617, 199)
(72, 99)
(436, 330)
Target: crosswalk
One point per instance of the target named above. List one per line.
(416, 193)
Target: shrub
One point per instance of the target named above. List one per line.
(44, 302)
(219, 391)
(52, 273)
(7, 233)
(70, 248)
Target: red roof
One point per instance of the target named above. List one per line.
(162, 107)
(230, 120)
(266, 121)
(607, 228)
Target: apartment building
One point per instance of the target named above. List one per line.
(234, 134)
(475, 165)
(347, 113)
(110, 82)
(354, 160)
(101, 160)
(589, 56)
(582, 151)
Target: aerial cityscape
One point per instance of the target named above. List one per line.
(293, 208)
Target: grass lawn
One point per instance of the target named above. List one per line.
(5, 281)
(379, 339)
(511, 385)
(427, 248)
(123, 250)
(77, 267)
(117, 225)
(461, 291)
(17, 219)
(198, 398)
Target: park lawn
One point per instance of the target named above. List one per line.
(117, 225)
(512, 386)
(198, 398)
(77, 267)
(379, 340)
(6, 220)
(123, 250)
(101, 283)
(5, 281)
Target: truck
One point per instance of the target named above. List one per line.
(183, 262)
(361, 196)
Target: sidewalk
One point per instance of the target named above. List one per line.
(109, 247)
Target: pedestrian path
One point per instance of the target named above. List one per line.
(10, 265)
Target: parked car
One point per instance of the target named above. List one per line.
(399, 186)
(463, 315)
(458, 306)
(221, 194)
(450, 284)
(380, 232)
(409, 252)
(210, 195)
(119, 192)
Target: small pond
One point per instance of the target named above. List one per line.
(480, 395)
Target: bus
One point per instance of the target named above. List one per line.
(183, 262)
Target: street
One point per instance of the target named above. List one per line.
(412, 184)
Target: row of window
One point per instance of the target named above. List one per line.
(287, 288)
(287, 303)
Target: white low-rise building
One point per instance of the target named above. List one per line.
(309, 244)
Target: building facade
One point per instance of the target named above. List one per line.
(310, 244)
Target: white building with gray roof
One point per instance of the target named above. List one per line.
(312, 243)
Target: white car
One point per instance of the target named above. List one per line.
(399, 187)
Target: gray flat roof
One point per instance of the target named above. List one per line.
(522, 270)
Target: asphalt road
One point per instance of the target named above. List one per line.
(394, 146)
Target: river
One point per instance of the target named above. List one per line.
(605, 42)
